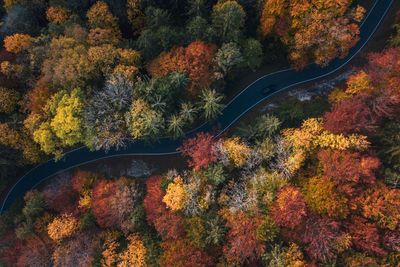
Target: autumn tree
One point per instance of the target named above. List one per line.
(58, 14)
(135, 253)
(167, 223)
(135, 15)
(182, 253)
(17, 42)
(238, 152)
(290, 208)
(322, 30)
(99, 16)
(242, 244)
(195, 60)
(365, 235)
(200, 149)
(61, 227)
(175, 195)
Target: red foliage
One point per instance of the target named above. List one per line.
(384, 66)
(10, 248)
(35, 253)
(39, 97)
(351, 116)
(200, 149)
(182, 253)
(365, 236)
(61, 196)
(290, 208)
(391, 241)
(242, 245)
(82, 179)
(102, 197)
(348, 169)
(320, 236)
(195, 60)
(166, 222)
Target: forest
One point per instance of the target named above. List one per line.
(306, 184)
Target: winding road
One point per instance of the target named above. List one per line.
(240, 105)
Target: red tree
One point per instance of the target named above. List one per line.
(365, 236)
(351, 116)
(200, 149)
(195, 60)
(35, 252)
(166, 222)
(391, 240)
(242, 245)
(102, 197)
(60, 195)
(182, 253)
(348, 169)
(290, 208)
(321, 237)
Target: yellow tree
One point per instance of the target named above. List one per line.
(238, 152)
(58, 14)
(63, 226)
(175, 195)
(135, 253)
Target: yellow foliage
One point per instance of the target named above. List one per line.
(238, 152)
(127, 72)
(17, 42)
(135, 253)
(85, 201)
(100, 16)
(175, 196)
(294, 257)
(337, 96)
(61, 227)
(359, 83)
(129, 57)
(8, 100)
(10, 70)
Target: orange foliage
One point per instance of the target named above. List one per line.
(61, 227)
(102, 197)
(17, 42)
(58, 14)
(195, 60)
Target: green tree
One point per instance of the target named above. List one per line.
(211, 103)
(228, 19)
(175, 125)
(188, 112)
(253, 53)
(215, 174)
(229, 58)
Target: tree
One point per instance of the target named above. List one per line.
(348, 169)
(215, 174)
(228, 19)
(104, 114)
(58, 14)
(17, 42)
(99, 16)
(135, 15)
(61, 227)
(182, 253)
(195, 60)
(321, 30)
(67, 123)
(253, 53)
(175, 195)
(135, 253)
(168, 224)
(229, 58)
(322, 197)
(211, 103)
(289, 209)
(142, 121)
(350, 116)
(365, 235)
(188, 112)
(78, 251)
(175, 126)
(237, 151)
(8, 100)
(200, 149)
(242, 244)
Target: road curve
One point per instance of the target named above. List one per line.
(240, 105)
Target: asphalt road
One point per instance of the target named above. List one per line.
(242, 103)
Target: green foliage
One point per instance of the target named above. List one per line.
(394, 40)
(267, 231)
(211, 103)
(196, 232)
(258, 129)
(87, 221)
(229, 58)
(253, 53)
(215, 174)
